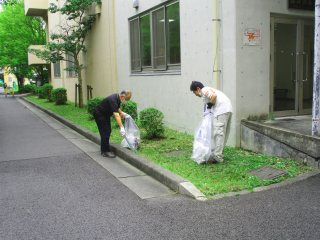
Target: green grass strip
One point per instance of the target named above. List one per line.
(230, 176)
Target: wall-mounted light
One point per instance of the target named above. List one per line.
(135, 3)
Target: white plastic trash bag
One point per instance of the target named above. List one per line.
(202, 144)
(132, 138)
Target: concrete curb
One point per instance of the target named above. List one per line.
(159, 173)
(264, 188)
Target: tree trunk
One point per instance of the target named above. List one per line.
(316, 77)
(20, 81)
(79, 72)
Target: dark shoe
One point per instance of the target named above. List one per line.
(108, 154)
(212, 160)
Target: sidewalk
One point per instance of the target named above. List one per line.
(174, 182)
(164, 176)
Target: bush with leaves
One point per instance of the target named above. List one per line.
(92, 103)
(45, 91)
(131, 108)
(59, 96)
(151, 119)
(40, 92)
(28, 88)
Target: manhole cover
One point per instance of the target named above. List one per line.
(176, 153)
(268, 173)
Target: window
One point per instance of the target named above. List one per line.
(173, 21)
(155, 39)
(135, 46)
(145, 41)
(70, 65)
(56, 69)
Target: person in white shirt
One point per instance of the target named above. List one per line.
(218, 104)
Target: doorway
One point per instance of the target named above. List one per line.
(292, 43)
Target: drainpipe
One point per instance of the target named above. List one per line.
(316, 77)
(216, 22)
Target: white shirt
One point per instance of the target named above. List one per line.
(223, 103)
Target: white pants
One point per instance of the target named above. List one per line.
(220, 134)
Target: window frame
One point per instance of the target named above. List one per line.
(167, 68)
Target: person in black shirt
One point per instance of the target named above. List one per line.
(102, 113)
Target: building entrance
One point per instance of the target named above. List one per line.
(292, 53)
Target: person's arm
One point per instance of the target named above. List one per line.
(118, 119)
(211, 94)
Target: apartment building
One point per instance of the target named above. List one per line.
(260, 53)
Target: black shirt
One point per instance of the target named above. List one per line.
(109, 105)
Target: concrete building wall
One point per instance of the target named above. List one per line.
(246, 69)
(101, 71)
(99, 60)
(170, 92)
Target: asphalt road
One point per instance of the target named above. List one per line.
(50, 189)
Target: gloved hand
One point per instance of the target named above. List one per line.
(122, 131)
(209, 105)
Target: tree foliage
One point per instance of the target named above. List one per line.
(17, 32)
(69, 38)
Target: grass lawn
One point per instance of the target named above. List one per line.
(173, 153)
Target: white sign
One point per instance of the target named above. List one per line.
(252, 37)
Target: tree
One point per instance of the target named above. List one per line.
(69, 39)
(17, 32)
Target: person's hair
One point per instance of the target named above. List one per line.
(194, 85)
(126, 93)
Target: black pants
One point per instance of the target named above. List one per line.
(104, 126)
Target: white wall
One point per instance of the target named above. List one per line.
(246, 69)
(245, 76)
(170, 93)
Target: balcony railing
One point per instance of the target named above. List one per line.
(32, 58)
(36, 8)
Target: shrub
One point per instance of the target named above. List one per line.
(45, 91)
(37, 91)
(92, 103)
(59, 96)
(29, 88)
(131, 108)
(40, 92)
(151, 120)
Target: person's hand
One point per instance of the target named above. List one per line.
(209, 105)
(122, 131)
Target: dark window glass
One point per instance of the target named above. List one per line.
(173, 39)
(155, 39)
(135, 45)
(57, 70)
(158, 34)
(70, 64)
(145, 40)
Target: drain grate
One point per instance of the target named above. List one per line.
(268, 173)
